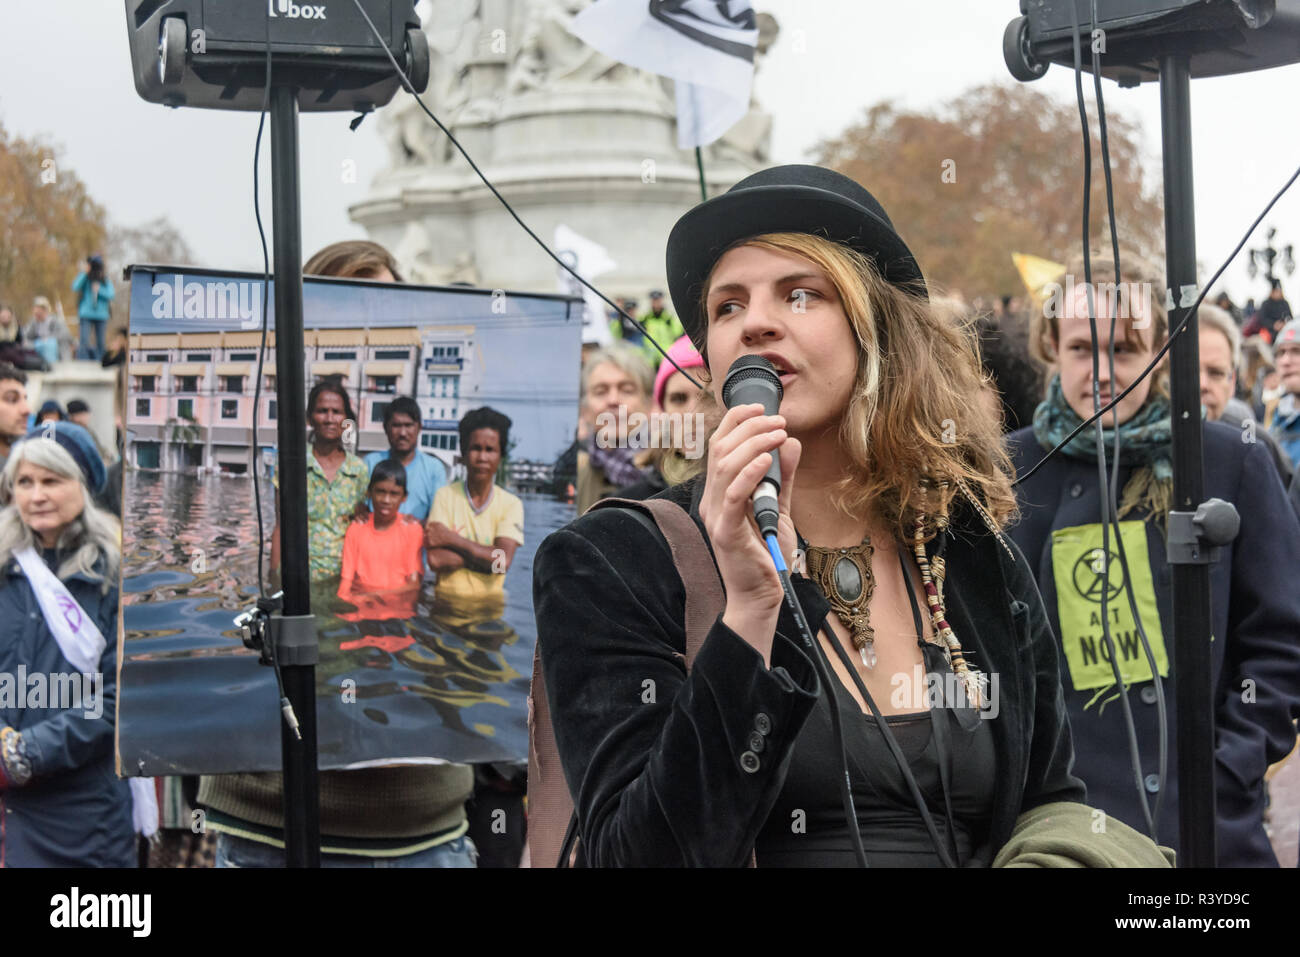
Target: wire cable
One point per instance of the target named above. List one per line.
(406, 84)
(1162, 717)
(1130, 729)
(823, 675)
(261, 352)
(286, 708)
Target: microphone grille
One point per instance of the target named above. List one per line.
(746, 368)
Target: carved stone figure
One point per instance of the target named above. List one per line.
(550, 56)
(524, 95)
(414, 254)
(452, 28)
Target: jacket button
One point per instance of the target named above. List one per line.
(1076, 490)
(763, 723)
(756, 742)
(749, 761)
(1148, 694)
(1152, 783)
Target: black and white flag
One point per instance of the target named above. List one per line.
(705, 46)
(588, 259)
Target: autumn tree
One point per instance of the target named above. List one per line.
(996, 171)
(48, 224)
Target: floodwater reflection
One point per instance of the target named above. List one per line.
(449, 683)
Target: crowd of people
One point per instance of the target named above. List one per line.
(989, 659)
(657, 323)
(1248, 365)
(44, 338)
(655, 791)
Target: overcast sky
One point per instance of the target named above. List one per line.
(68, 79)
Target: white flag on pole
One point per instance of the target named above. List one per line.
(706, 46)
(588, 259)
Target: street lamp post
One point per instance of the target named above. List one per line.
(1268, 257)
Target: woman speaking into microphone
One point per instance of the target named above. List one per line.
(931, 684)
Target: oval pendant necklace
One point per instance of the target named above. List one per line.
(844, 575)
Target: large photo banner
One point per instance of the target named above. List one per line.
(437, 417)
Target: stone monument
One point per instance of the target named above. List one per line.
(567, 135)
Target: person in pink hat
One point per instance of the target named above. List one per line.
(675, 397)
(674, 392)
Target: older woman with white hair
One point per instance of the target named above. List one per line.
(63, 805)
(616, 383)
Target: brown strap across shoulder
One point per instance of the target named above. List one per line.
(694, 563)
(550, 806)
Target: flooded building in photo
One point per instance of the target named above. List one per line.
(192, 394)
(450, 381)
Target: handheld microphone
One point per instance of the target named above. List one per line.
(753, 379)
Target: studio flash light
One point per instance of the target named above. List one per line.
(213, 55)
(1219, 37)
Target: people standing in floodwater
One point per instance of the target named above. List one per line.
(391, 816)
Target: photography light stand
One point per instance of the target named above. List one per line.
(294, 632)
(1172, 41)
(188, 53)
(1190, 655)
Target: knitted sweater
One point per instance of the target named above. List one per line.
(410, 801)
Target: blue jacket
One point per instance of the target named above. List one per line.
(92, 306)
(1285, 427)
(1255, 607)
(75, 811)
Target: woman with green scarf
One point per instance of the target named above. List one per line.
(1255, 602)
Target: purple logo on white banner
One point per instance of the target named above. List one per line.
(71, 611)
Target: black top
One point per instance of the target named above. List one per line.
(807, 826)
(660, 763)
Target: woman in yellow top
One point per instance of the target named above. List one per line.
(475, 525)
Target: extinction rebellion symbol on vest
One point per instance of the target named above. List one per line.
(1090, 575)
(1085, 568)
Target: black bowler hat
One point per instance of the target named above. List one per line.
(797, 198)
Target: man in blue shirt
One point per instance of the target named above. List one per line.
(425, 474)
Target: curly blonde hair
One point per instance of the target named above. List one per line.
(914, 430)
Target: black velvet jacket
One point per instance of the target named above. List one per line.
(653, 757)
